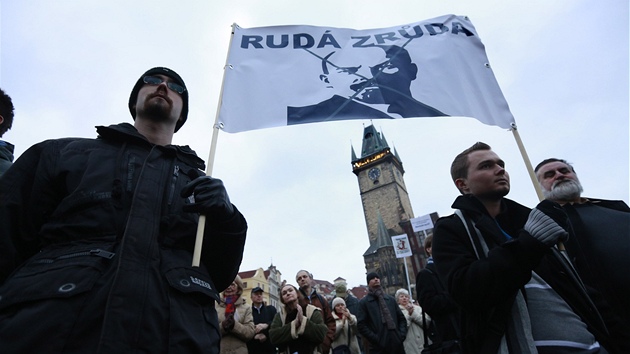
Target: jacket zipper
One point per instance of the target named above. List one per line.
(96, 252)
(173, 184)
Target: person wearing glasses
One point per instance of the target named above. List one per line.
(97, 236)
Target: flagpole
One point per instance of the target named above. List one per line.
(210, 164)
(408, 283)
(530, 170)
(528, 163)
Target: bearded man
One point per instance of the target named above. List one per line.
(599, 242)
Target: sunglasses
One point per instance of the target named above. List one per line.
(154, 80)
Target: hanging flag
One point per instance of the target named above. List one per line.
(285, 75)
(402, 248)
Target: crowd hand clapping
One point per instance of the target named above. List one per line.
(300, 316)
(228, 323)
(410, 308)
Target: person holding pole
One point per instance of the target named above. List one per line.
(97, 236)
(599, 243)
(516, 291)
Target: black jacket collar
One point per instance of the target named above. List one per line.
(126, 132)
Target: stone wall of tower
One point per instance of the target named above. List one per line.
(388, 198)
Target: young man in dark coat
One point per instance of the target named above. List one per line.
(517, 292)
(97, 236)
(380, 321)
(263, 316)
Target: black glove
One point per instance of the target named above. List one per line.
(542, 224)
(228, 323)
(210, 198)
(556, 212)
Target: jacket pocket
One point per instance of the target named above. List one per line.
(56, 273)
(194, 323)
(193, 282)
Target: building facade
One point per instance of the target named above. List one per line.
(269, 280)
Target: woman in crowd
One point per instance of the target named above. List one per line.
(296, 329)
(345, 334)
(235, 319)
(413, 313)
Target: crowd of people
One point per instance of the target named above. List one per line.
(97, 238)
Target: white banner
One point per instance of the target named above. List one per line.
(402, 248)
(284, 75)
(421, 223)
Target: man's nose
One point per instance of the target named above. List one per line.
(559, 175)
(162, 86)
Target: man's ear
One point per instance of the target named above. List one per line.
(1, 119)
(461, 184)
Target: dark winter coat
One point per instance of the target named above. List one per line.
(6, 156)
(266, 315)
(438, 304)
(372, 328)
(308, 336)
(96, 252)
(485, 290)
(602, 261)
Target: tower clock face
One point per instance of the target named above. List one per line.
(374, 173)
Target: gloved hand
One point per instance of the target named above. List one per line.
(228, 323)
(210, 198)
(548, 223)
(556, 212)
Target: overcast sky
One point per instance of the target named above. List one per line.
(562, 66)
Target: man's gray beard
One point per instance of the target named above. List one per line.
(566, 190)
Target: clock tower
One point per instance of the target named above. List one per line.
(386, 204)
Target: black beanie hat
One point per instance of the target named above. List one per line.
(371, 276)
(166, 72)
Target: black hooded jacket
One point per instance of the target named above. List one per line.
(95, 248)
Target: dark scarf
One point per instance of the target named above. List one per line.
(387, 316)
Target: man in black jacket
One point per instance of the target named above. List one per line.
(380, 320)
(263, 316)
(599, 243)
(97, 236)
(435, 300)
(517, 293)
